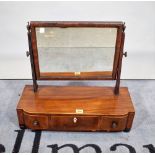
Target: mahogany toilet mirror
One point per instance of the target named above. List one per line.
(76, 51)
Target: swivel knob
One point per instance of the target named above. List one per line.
(125, 54)
(27, 53)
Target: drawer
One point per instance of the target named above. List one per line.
(36, 122)
(74, 123)
(113, 123)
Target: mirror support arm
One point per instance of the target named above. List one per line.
(30, 53)
(118, 73)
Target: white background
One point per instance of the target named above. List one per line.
(140, 32)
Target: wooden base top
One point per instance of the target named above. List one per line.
(74, 99)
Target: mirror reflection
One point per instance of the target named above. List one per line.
(75, 49)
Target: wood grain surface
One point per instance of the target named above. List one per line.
(55, 108)
(66, 99)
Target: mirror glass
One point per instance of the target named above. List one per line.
(75, 49)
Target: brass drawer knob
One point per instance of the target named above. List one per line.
(114, 125)
(35, 123)
(74, 120)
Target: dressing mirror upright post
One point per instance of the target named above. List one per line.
(76, 51)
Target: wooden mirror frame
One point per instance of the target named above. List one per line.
(105, 75)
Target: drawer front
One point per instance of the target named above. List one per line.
(36, 122)
(113, 123)
(74, 123)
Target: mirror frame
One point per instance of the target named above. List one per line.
(105, 75)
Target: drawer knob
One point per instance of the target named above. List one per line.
(35, 123)
(74, 119)
(114, 125)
